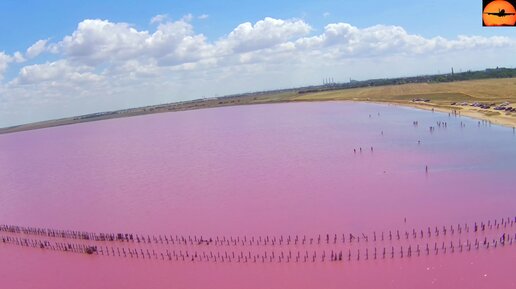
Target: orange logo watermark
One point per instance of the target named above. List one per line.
(499, 13)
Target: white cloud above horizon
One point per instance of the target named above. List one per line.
(4, 62)
(104, 65)
(159, 18)
(37, 48)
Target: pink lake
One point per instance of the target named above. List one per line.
(263, 170)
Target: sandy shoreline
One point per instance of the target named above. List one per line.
(501, 119)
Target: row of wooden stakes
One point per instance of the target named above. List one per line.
(287, 256)
(391, 235)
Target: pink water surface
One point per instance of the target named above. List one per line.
(263, 169)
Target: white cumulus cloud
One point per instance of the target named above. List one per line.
(159, 18)
(37, 48)
(96, 41)
(6, 59)
(264, 33)
(345, 40)
(105, 65)
(4, 62)
(57, 71)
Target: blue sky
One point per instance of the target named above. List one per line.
(62, 58)
(22, 21)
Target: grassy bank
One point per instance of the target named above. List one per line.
(441, 96)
